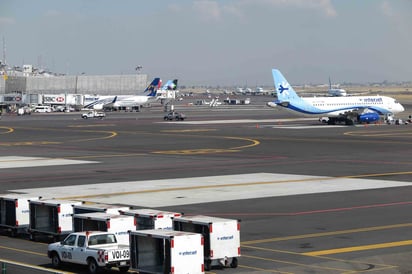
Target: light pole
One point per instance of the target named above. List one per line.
(138, 68)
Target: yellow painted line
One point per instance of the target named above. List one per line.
(392, 133)
(112, 134)
(8, 130)
(188, 130)
(23, 251)
(211, 150)
(332, 233)
(358, 248)
(194, 151)
(28, 143)
(105, 155)
(262, 269)
(35, 267)
(87, 126)
(352, 262)
(294, 263)
(253, 142)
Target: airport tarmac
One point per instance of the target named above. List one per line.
(311, 198)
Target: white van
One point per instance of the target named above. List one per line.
(43, 109)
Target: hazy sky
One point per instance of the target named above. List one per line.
(214, 42)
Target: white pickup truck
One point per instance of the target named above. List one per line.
(95, 249)
(93, 114)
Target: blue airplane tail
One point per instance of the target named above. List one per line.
(284, 90)
(153, 87)
(170, 85)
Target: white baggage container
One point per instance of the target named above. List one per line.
(166, 251)
(222, 238)
(100, 221)
(146, 218)
(15, 213)
(105, 208)
(51, 217)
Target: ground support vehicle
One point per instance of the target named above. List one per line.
(146, 218)
(93, 114)
(94, 249)
(15, 213)
(178, 116)
(113, 223)
(222, 238)
(105, 208)
(166, 251)
(51, 217)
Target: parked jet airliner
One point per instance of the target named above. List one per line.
(347, 109)
(138, 100)
(126, 100)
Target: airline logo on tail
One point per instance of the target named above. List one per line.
(282, 89)
(153, 87)
(170, 85)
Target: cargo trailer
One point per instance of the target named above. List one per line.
(222, 238)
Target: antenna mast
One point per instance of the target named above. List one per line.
(4, 51)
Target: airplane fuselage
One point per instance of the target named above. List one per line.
(335, 106)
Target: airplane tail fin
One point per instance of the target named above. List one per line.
(153, 87)
(284, 90)
(174, 87)
(170, 85)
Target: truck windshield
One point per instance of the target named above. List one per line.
(102, 239)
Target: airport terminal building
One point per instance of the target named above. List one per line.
(27, 89)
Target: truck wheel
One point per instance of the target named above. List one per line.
(123, 269)
(233, 264)
(56, 262)
(93, 267)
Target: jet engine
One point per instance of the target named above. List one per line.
(368, 117)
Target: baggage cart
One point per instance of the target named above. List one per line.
(51, 217)
(146, 218)
(15, 213)
(120, 225)
(222, 238)
(105, 208)
(164, 251)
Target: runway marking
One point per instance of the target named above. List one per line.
(48, 270)
(391, 133)
(112, 134)
(94, 125)
(184, 191)
(211, 150)
(352, 262)
(188, 130)
(194, 151)
(303, 126)
(28, 143)
(19, 162)
(22, 251)
(358, 248)
(8, 130)
(324, 234)
(239, 121)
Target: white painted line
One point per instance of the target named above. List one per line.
(19, 162)
(240, 121)
(170, 192)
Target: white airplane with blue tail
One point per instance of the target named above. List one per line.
(345, 109)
